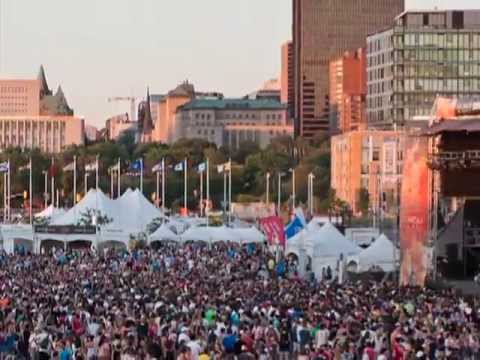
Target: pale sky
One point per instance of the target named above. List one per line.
(102, 48)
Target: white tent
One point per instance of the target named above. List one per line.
(329, 242)
(210, 234)
(136, 211)
(50, 212)
(381, 253)
(163, 233)
(91, 201)
(249, 235)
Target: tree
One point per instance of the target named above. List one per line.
(363, 201)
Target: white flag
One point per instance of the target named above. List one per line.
(69, 167)
(178, 167)
(4, 167)
(158, 167)
(91, 167)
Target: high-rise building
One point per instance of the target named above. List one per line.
(286, 76)
(31, 116)
(323, 30)
(348, 88)
(421, 55)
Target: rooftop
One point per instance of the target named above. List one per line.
(233, 104)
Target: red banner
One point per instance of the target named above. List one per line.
(273, 228)
(414, 212)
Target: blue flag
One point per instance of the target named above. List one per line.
(296, 225)
(137, 165)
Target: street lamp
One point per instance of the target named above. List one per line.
(279, 198)
(293, 188)
(267, 196)
(45, 194)
(310, 192)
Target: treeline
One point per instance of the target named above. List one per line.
(250, 165)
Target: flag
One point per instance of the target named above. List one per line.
(69, 167)
(202, 167)
(137, 165)
(91, 167)
(24, 167)
(158, 167)
(112, 168)
(226, 167)
(273, 228)
(179, 167)
(296, 225)
(4, 167)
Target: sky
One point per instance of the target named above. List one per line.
(102, 48)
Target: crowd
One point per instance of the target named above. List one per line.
(217, 302)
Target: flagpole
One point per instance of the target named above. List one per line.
(201, 193)
(119, 176)
(30, 192)
(230, 192)
(224, 192)
(52, 182)
(163, 190)
(293, 189)
(279, 200)
(86, 182)
(111, 183)
(185, 188)
(5, 197)
(157, 191)
(96, 173)
(141, 176)
(45, 194)
(207, 210)
(9, 191)
(74, 180)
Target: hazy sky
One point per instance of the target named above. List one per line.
(102, 48)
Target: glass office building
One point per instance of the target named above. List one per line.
(423, 55)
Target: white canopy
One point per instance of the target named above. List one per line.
(210, 234)
(163, 233)
(50, 212)
(329, 242)
(249, 235)
(136, 211)
(381, 253)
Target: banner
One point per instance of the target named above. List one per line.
(273, 228)
(296, 225)
(414, 212)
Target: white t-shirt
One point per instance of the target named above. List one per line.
(195, 349)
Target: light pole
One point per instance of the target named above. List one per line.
(45, 194)
(293, 188)
(267, 191)
(310, 192)
(279, 198)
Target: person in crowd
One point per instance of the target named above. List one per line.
(196, 302)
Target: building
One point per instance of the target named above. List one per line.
(286, 76)
(157, 113)
(271, 89)
(421, 55)
(117, 125)
(92, 134)
(348, 90)
(367, 161)
(231, 122)
(322, 31)
(31, 116)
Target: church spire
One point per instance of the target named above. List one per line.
(147, 120)
(44, 90)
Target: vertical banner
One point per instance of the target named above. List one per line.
(273, 228)
(414, 212)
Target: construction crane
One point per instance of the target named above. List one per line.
(132, 100)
